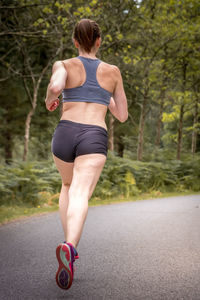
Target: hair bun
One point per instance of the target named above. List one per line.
(86, 32)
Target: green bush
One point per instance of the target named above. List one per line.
(171, 175)
(34, 182)
(22, 182)
(189, 174)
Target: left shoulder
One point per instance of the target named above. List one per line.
(108, 68)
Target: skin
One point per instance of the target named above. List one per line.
(80, 177)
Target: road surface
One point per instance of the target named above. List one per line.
(149, 249)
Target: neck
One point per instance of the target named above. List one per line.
(88, 55)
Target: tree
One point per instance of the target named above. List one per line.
(154, 43)
(35, 53)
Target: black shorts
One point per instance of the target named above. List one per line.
(73, 139)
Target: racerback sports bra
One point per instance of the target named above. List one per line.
(90, 91)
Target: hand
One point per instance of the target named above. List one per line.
(54, 105)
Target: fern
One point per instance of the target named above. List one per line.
(34, 182)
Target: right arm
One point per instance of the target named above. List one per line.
(118, 103)
(56, 85)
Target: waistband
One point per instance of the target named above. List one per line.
(81, 125)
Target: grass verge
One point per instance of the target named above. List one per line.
(13, 213)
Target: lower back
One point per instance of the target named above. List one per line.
(84, 112)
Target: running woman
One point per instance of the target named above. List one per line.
(89, 87)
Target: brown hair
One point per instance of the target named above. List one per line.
(86, 32)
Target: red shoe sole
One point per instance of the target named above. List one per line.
(64, 276)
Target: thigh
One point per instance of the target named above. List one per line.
(86, 172)
(65, 169)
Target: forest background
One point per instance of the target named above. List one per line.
(156, 45)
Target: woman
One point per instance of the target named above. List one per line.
(79, 143)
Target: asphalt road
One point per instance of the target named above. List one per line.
(138, 250)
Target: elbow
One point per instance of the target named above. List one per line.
(123, 117)
(55, 89)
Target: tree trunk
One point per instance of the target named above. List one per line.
(180, 132)
(36, 86)
(120, 147)
(28, 123)
(159, 122)
(27, 133)
(141, 128)
(194, 132)
(180, 125)
(7, 137)
(8, 147)
(111, 133)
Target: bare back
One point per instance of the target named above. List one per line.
(84, 112)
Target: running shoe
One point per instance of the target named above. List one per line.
(66, 257)
(76, 256)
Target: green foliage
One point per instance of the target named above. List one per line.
(23, 182)
(126, 177)
(188, 173)
(116, 180)
(37, 182)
